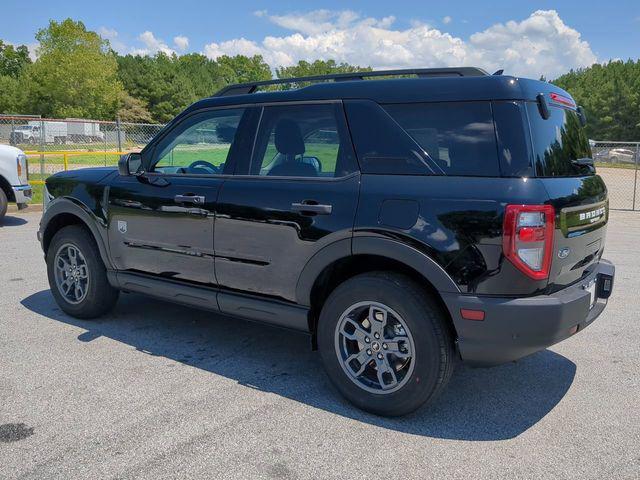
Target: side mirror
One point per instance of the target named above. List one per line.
(130, 164)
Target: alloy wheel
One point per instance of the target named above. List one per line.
(71, 273)
(374, 347)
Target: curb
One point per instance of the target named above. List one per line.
(36, 207)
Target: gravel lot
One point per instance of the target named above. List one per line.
(162, 391)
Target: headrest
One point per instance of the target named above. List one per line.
(289, 139)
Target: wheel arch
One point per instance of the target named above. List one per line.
(65, 212)
(345, 259)
(5, 186)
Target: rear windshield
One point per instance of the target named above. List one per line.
(557, 142)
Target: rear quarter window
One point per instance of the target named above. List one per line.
(459, 137)
(557, 141)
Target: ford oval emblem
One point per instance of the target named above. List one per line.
(564, 252)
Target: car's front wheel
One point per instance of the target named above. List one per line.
(4, 203)
(385, 343)
(77, 275)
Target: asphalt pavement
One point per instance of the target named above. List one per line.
(156, 390)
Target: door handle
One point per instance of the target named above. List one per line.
(311, 207)
(195, 199)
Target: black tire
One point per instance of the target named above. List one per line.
(4, 203)
(434, 356)
(100, 296)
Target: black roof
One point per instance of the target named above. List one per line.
(399, 90)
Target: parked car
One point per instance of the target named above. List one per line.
(14, 187)
(622, 155)
(405, 224)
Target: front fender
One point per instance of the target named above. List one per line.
(71, 206)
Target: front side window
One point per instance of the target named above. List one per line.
(558, 142)
(459, 137)
(201, 145)
(302, 141)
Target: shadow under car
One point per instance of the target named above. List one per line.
(479, 404)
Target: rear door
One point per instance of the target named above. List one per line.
(293, 196)
(578, 195)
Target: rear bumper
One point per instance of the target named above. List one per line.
(517, 327)
(23, 194)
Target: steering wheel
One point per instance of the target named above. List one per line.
(203, 164)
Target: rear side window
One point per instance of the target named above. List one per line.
(459, 137)
(382, 146)
(512, 132)
(557, 142)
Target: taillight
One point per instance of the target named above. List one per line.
(528, 238)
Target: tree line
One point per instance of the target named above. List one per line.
(610, 95)
(78, 74)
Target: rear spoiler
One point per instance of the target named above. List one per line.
(559, 100)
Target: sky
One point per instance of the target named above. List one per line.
(526, 38)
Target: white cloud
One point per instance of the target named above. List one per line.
(108, 33)
(111, 34)
(447, 20)
(181, 42)
(539, 44)
(152, 45)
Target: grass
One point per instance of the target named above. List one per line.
(628, 166)
(183, 156)
(88, 158)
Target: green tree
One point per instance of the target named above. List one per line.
(157, 82)
(134, 110)
(13, 59)
(318, 67)
(9, 95)
(242, 69)
(610, 95)
(75, 74)
(167, 84)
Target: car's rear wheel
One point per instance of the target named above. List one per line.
(385, 343)
(77, 275)
(4, 203)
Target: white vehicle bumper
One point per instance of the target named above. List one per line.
(23, 194)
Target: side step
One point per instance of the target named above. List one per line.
(269, 311)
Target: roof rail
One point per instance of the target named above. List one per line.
(251, 87)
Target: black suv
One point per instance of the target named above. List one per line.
(403, 223)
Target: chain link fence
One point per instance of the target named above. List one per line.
(617, 164)
(53, 145)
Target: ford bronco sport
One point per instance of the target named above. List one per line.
(403, 223)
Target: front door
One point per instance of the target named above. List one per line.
(162, 222)
(294, 195)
